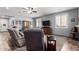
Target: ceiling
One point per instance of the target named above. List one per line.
(41, 11)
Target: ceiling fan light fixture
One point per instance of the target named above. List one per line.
(29, 12)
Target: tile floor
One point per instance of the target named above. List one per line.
(62, 43)
(4, 46)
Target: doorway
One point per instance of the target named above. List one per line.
(3, 24)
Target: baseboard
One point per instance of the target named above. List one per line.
(62, 35)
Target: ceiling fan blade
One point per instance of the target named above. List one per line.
(27, 8)
(34, 11)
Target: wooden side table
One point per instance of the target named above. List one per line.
(51, 43)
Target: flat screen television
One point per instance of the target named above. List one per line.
(46, 23)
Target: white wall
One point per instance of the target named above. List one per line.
(63, 31)
(78, 11)
(78, 15)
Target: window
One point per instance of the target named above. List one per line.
(61, 20)
(31, 24)
(38, 22)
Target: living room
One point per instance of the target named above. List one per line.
(57, 33)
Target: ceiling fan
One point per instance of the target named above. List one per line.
(29, 10)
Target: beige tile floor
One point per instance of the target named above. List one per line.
(70, 45)
(66, 44)
(4, 46)
(62, 43)
(4, 43)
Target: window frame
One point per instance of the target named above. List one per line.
(61, 26)
(38, 23)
